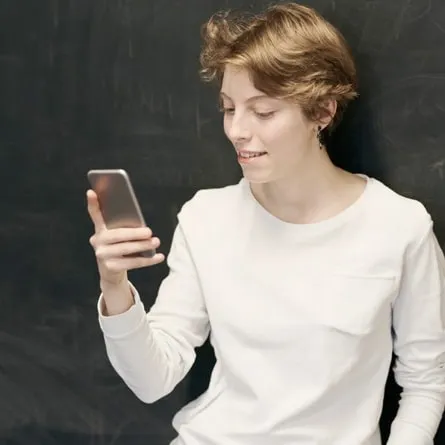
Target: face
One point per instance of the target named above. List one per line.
(272, 137)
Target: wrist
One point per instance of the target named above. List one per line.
(120, 282)
(117, 297)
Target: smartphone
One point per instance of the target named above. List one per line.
(117, 200)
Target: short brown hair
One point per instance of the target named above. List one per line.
(290, 51)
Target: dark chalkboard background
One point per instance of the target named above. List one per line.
(97, 84)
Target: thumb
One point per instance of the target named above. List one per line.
(94, 211)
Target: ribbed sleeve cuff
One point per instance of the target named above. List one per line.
(122, 325)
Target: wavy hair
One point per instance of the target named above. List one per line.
(290, 51)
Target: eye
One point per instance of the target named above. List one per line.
(226, 110)
(265, 115)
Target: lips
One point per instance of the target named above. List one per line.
(250, 154)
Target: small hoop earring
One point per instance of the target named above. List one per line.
(320, 137)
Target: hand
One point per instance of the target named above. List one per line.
(114, 248)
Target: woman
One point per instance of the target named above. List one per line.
(307, 277)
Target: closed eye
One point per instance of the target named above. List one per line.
(227, 110)
(265, 115)
(231, 110)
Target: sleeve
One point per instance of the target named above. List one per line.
(152, 352)
(419, 343)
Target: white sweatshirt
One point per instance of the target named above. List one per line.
(301, 319)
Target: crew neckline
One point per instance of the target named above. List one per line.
(315, 227)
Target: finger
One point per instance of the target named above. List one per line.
(114, 236)
(107, 251)
(123, 264)
(94, 211)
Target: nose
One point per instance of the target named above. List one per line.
(237, 128)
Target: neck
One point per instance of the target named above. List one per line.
(317, 192)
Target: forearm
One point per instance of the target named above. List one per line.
(141, 359)
(150, 362)
(152, 352)
(116, 298)
(418, 418)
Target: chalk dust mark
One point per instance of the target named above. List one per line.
(438, 167)
(398, 25)
(438, 25)
(422, 13)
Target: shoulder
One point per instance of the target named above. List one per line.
(212, 198)
(212, 207)
(400, 214)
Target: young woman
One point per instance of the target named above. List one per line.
(306, 277)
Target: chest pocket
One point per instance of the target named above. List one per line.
(356, 305)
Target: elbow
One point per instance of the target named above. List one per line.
(150, 391)
(421, 380)
(147, 397)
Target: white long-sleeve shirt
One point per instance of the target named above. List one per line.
(303, 319)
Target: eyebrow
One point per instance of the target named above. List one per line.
(251, 99)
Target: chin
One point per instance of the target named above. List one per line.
(257, 177)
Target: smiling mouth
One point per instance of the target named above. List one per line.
(249, 155)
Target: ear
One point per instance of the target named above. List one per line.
(327, 113)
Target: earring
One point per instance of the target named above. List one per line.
(320, 137)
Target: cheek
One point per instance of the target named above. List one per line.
(287, 136)
(278, 136)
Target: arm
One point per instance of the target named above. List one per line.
(419, 343)
(153, 352)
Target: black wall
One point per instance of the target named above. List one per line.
(98, 84)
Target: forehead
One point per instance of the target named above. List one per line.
(237, 85)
